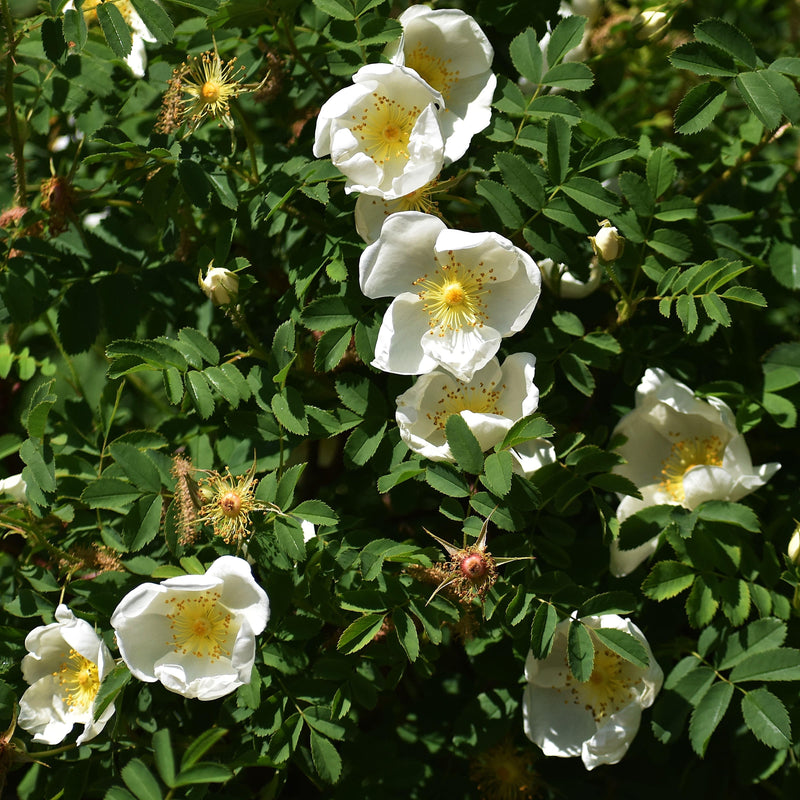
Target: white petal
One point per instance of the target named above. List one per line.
(612, 738)
(398, 348)
(532, 455)
(403, 253)
(14, 487)
(463, 351)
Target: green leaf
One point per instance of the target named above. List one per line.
(156, 19)
(727, 38)
(75, 29)
(406, 633)
(173, 385)
(543, 630)
(781, 664)
(661, 171)
(788, 65)
(784, 261)
(566, 36)
(572, 76)
(289, 537)
(137, 466)
(200, 746)
(767, 718)
(194, 340)
(701, 604)
(591, 195)
(577, 373)
(559, 137)
(760, 97)
(364, 441)
(338, 9)
(699, 108)
(327, 760)
(608, 151)
(290, 411)
(445, 478)
(110, 493)
(550, 105)
(463, 444)
(672, 244)
(686, 309)
(140, 780)
(497, 473)
(112, 685)
(716, 309)
(708, 714)
(502, 201)
(521, 179)
(744, 294)
(326, 313)
(317, 512)
(703, 60)
(360, 633)
(331, 347)
(731, 513)
(624, 644)
(526, 56)
(147, 519)
(163, 756)
(115, 29)
(616, 602)
(319, 718)
(200, 393)
(525, 429)
(580, 651)
(667, 579)
(399, 473)
(203, 773)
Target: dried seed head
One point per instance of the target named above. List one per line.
(474, 566)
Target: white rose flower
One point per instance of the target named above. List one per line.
(490, 404)
(14, 487)
(598, 719)
(65, 666)
(220, 285)
(450, 51)
(563, 283)
(194, 633)
(793, 550)
(371, 212)
(137, 58)
(680, 450)
(383, 132)
(456, 294)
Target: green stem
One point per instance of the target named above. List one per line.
(54, 752)
(11, 110)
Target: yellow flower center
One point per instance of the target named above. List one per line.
(210, 91)
(684, 455)
(481, 399)
(200, 626)
(211, 84)
(231, 504)
(454, 296)
(609, 687)
(435, 71)
(80, 680)
(385, 129)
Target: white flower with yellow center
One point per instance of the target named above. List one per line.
(140, 33)
(680, 450)
(451, 53)
(383, 132)
(456, 294)
(490, 404)
(65, 665)
(194, 633)
(597, 719)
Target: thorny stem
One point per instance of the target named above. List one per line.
(11, 111)
(741, 162)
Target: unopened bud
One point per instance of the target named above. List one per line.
(793, 550)
(220, 285)
(607, 244)
(650, 24)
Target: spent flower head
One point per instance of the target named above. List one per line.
(505, 772)
(211, 83)
(228, 502)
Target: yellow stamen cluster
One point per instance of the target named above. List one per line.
(432, 69)
(505, 772)
(211, 84)
(200, 626)
(481, 399)
(454, 295)
(79, 679)
(609, 687)
(385, 128)
(685, 454)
